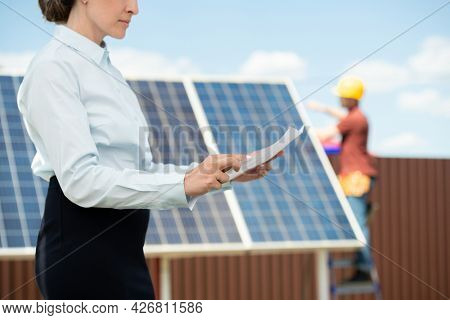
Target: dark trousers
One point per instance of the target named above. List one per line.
(91, 253)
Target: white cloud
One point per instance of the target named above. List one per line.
(135, 63)
(402, 143)
(131, 62)
(15, 63)
(430, 63)
(275, 63)
(433, 59)
(382, 76)
(425, 101)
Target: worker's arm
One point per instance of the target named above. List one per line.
(334, 112)
(326, 133)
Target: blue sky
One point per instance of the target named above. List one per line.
(408, 82)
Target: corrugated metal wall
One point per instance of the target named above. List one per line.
(410, 232)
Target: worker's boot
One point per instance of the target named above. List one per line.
(359, 276)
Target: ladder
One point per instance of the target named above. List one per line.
(372, 286)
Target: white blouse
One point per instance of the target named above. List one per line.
(85, 121)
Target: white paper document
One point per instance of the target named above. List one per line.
(257, 158)
(264, 155)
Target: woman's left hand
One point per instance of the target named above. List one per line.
(258, 172)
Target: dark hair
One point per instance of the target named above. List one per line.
(56, 10)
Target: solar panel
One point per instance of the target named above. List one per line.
(295, 208)
(296, 202)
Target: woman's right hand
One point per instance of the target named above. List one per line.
(210, 174)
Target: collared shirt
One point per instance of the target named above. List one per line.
(85, 121)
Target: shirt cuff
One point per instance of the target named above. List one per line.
(177, 194)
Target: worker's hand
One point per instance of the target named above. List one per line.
(210, 174)
(316, 106)
(258, 172)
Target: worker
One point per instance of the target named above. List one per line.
(357, 171)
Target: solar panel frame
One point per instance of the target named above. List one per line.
(247, 244)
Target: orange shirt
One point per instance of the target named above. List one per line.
(354, 129)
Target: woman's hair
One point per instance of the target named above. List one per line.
(56, 10)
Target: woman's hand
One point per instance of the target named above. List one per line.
(258, 172)
(210, 174)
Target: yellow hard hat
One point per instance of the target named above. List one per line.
(349, 87)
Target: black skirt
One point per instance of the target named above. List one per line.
(91, 253)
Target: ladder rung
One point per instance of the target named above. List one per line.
(362, 287)
(346, 288)
(341, 263)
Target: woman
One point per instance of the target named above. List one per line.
(84, 121)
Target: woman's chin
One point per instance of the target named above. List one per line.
(118, 34)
